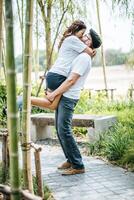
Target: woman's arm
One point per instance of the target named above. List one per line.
(90, 52)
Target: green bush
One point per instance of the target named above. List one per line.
(83, 104)
(128, 157)
(97, 148)
(113, 144)
(46, 190)
(99, 104)
(116, 143)
(79, 131)
(3, 93)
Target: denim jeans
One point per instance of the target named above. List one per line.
(63, 123)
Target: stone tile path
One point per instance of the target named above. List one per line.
(101, 181)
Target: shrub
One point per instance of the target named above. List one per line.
(3, 93)
(78, 131)
(97, 148)
(83, 104)
(129, 156)
(116, 143)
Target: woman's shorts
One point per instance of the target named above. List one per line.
(54, 80)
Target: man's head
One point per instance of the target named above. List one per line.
(92, 39)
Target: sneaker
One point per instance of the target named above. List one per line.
(73, 171)
(65, 165)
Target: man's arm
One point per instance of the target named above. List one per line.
(70, 81)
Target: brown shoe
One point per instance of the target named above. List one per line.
(65, 165)
(73, 171)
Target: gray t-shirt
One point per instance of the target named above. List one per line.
(71, 47)
(81, 65)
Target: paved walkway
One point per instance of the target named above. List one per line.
(101, 181)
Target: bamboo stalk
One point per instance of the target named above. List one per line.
(21, 23)
(3, 46)
(1, 34)
(27, 174)
(37, 45)
(102, 48)
(11, 103)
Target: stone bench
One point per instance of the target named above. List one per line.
(41, 125)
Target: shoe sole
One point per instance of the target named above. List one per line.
(63, 168)
(68, 174)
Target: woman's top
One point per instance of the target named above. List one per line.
(71, 47)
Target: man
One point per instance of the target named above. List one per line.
(70, 89)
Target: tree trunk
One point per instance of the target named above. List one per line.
(48, 34)
(102, 48)
(1, 35)
(11, 103)
(20, 15)
(27, 174)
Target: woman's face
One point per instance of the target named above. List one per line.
(80, 33)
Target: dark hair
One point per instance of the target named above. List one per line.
(96, 40)
(75, 27)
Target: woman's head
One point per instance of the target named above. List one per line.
(77, 28)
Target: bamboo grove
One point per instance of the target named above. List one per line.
(49, 11)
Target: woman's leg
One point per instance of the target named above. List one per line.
(45, 103)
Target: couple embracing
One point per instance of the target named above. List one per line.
(64, 82)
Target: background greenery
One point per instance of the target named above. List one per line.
(117, 144)
(112, 56)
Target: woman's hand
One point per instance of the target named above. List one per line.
(93, 53)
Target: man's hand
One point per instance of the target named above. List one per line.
(50, 96)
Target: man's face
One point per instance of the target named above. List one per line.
(87, 40)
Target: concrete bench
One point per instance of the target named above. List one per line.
(41, 125)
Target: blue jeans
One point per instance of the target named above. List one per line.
(63, 123)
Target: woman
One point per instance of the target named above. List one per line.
(70, 47)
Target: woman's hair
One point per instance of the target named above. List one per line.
(75, 27)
